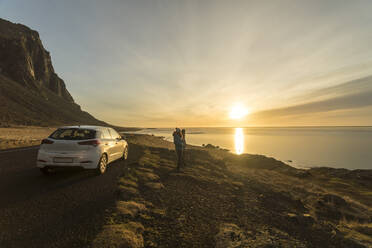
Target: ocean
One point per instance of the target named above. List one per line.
(304, 147)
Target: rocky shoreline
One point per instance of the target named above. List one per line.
(223, 200)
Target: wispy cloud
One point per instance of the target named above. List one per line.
(162, 62)
(347, 96)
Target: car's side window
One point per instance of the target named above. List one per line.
(111, 133)
(106, 134)
(115, 134)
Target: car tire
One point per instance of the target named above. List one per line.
(125, 154)
(46, 171)
(102, 165)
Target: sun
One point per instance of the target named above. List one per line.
(238, 111)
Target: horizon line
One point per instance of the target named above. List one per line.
(315, 126)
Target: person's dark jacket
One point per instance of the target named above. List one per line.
(177, 141)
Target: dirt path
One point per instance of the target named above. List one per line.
(63, 210)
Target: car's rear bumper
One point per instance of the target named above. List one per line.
(66, 165)
(82, 159)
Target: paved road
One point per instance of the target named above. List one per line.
(66, 209)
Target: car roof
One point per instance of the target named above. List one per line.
(86, 127)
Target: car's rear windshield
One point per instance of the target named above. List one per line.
(73, 134)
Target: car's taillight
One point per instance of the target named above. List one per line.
(90, 143)
(47, 142)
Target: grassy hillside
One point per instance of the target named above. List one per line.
(224, 200)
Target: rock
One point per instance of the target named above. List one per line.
(150, 244)
(230, 236)
(31, 93)
(210, 146)
(25, 60)
(334, 199)
(238, 184)
(301, 220)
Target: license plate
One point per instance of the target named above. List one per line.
(62, 160)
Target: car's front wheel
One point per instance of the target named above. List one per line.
(102, 165)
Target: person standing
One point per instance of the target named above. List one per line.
(177, 140)
(183, 133)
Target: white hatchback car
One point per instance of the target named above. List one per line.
(88, 147)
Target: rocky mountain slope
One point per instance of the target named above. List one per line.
(31, 93)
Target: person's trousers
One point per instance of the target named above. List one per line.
(179, 158)
(184, 157)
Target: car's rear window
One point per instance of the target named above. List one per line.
(73, 134)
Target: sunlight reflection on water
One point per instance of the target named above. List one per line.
(338, 147)
(239, 141)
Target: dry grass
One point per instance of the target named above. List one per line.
(154, 186)
(120, 235)
(361, 232)
(147, 176)
(23, 136)
(128, 190)
(276, 204)
(128, 182)
(148, 140)
(130, 208)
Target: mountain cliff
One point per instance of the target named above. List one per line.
(31, 93)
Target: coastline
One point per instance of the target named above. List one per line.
(306, 148)
(224, 200)
(18, 136)
(220, 199)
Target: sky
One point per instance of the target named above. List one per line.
(188, 63)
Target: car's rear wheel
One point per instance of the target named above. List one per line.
(102, 165)
(46, 171)
(125, 153)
